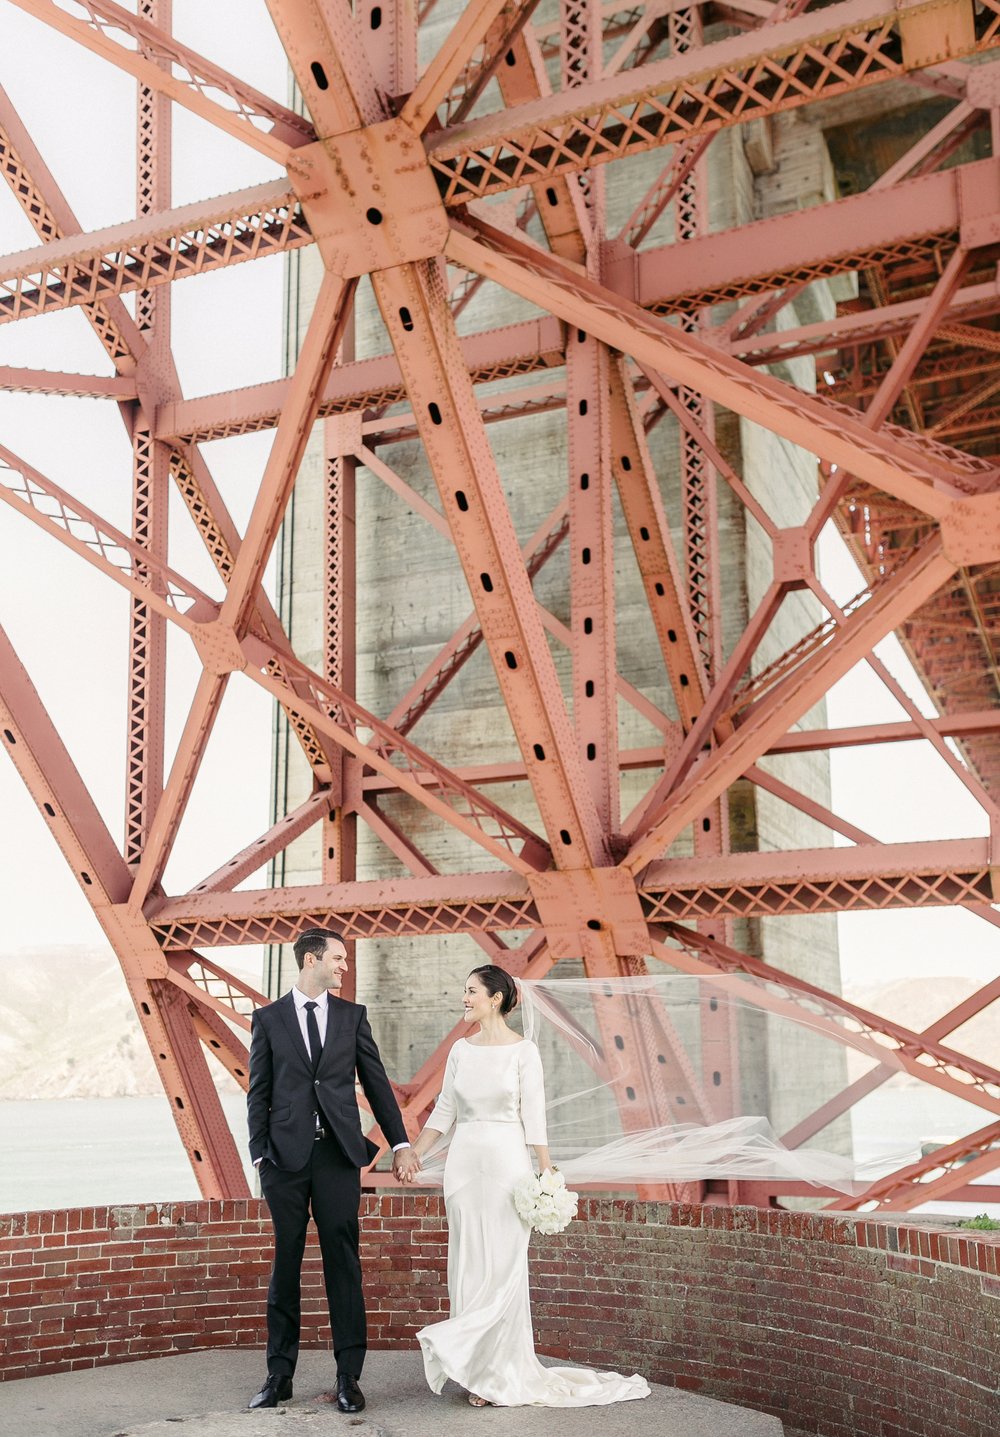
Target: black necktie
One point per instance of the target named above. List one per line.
(312, 1031)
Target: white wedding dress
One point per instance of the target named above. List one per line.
(495, 1098)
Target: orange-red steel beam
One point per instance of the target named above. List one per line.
(100, 870)
(816, 56)
(932, 499)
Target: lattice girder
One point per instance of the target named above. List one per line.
(156, 250)
(837, 49)
(383, 192)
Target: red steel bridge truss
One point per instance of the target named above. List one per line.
(385, 173)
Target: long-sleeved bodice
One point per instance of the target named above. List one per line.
(493, 1085)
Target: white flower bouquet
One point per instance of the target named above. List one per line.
(544, 1202)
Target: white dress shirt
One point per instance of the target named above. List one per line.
(322, 1004)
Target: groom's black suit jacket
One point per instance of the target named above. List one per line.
(284, 1094)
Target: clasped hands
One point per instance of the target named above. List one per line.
(405, 1165)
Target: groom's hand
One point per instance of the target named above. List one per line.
(405, 1165)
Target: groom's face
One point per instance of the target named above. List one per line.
(331, 965)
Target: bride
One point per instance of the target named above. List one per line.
(493, 1093)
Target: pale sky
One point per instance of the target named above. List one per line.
(70, 625)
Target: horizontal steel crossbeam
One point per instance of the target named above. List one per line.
(871, 877)
(920, 221)
(824, 880)
(375, 384)
(153, 250)
(830, 51)
(411, 907)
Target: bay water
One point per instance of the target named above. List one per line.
(88, 1152)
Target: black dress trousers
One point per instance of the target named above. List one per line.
(330, 1188)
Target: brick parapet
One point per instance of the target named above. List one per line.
(841, 1325)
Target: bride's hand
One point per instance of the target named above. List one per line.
(405, 1165)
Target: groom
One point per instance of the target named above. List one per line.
(306, 1142)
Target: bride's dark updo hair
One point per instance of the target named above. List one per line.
(495, 981)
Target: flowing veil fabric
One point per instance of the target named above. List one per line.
(630, 1088)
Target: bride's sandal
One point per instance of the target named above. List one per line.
(475, 1401)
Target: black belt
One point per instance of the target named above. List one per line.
(319, 1134)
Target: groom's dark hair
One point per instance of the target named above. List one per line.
(313, 940)
(495, 980)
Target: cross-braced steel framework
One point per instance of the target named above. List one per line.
(387, 169)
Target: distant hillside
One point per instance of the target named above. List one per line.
(68, 1029)
(916, 1003)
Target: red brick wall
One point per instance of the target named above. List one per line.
(847, 1327)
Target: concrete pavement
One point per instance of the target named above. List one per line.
(204, 1394)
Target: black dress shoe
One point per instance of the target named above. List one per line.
(350, 1398)
(277, 1388)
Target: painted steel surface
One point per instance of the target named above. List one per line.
(385, 175)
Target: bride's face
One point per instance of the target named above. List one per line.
(476, 1001)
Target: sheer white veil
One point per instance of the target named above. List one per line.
(671, 1078)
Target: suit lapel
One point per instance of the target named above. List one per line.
(286, 1006)
(335, 1015)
